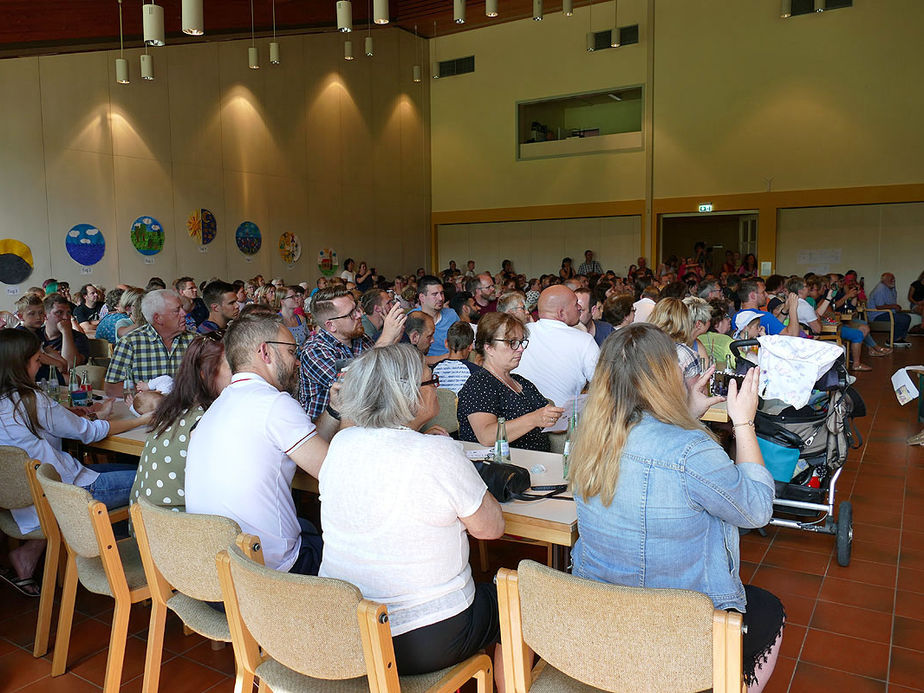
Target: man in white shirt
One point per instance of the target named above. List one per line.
(645, 304)
(243, 453)
(560, 359)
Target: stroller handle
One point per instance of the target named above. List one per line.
(736, 346)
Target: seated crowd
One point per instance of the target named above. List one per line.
(341, 382)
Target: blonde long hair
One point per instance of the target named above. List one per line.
(637, 372)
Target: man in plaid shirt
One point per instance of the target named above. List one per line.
(340, 336)
(590, 266)
(152, 350)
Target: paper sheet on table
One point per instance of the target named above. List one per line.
(905, 389)
(561, 426)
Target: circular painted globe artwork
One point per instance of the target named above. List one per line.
(16, 262)
(202, 226)
(327, 261)
(85, 244)
(248, 238)
(290, 248)
(147, 235)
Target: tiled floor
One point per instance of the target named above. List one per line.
(859, 628)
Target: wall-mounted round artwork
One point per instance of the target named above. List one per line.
(147, 235)
(248, 238)
(202, 226)
(16, 262)
(327, 261)
(85, 244)
(290, 248)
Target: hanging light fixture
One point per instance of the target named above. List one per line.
(537, 10)
(415, 71)
(147, 66)
(381, 11)
(274, 45)
(785, 8)
(819, 5)
(348, 50)
(368, 43)
(490, 8)
(436, 63)
(344, 15)
(614, 34)
(192, 18)
(458, 11)
(253, 58)
(121, 65)
(567, 7)
(152, 21)
(591, 39)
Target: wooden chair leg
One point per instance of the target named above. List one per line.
(155, 648)
(243, 682)
(117, 640)
(264, 688)
(46, 602)
(65, 617)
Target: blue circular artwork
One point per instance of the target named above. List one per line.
(147, 235)
(248, 238)
(85, 244)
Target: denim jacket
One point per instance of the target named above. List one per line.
(675, 515)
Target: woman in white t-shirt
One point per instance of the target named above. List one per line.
(397, 507)
(348, 274)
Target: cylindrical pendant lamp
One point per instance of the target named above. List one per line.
(591, 43)
(347, 50)
(192, 18)
(253, 59)
(274, 52)
(436, 70)
(152, 21)
(344, 15)
(147, 67)
(537, 10)
(380, 11)
(458, 11)
(416, 73)
(490, 8)
(567, 7)
(368, 46)
(121, 71)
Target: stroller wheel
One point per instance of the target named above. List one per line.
(844, 533)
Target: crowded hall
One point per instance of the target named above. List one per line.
(461, 345)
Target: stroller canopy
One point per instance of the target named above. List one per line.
(790, 366)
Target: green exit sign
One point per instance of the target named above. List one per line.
(705, 207)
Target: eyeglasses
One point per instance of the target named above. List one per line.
(213, 336)
(435, 381)
(294, 346)
(353, 313)
(513, 343)
(286, 298)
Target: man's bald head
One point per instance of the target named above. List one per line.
(559, 303)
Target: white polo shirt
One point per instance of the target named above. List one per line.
(238, 464)
(643, 308)
(559, 360)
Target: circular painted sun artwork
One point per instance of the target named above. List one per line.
(85, 244)
(248, 238)
(202, 226)
(147, 235)
(290, 248)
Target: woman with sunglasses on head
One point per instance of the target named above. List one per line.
(495, 392)
(289, 300)
(659, 502)
(420, 497)
(202, 375)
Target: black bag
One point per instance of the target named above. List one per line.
(504, 481)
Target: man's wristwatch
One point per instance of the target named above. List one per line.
(333, 412)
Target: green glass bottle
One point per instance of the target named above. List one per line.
(501, 445)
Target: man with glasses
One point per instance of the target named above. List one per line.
(431, 298)
(340, 336)
(375, 304)
(221, 298)
(560, 360)
(481, 287)
(242, 457)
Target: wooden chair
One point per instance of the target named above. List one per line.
(178, 553)
(447, 415)
(319, 634)
(612, 637)
(100, 349)
(102, 565)
(94, 375)
(883, 325)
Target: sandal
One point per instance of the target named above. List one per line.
(25, 586)
(876, 353)
(860, 367)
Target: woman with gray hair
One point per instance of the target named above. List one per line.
(419, 495)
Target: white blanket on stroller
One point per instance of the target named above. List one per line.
(790, 366)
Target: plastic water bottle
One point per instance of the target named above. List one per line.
(566, 453)
(501, 445)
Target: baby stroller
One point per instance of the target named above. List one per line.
(805, 449)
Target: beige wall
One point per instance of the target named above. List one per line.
(336, 152)
(538, 247)
(474, 115)
(871, 239)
